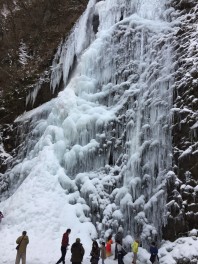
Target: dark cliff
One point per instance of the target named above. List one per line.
(182, 191)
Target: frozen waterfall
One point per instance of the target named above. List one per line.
(103, 146)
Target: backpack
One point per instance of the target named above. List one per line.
(123, 252)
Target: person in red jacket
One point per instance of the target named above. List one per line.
(108, 246)
(65, 243)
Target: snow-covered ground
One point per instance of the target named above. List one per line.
(45, 227)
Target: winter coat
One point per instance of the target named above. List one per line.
(154, 252)
(103, 252)
(95, 255)
(135, 247)
(77, 252)
(119, 237)
(24, 241)
(65, 239)
(108, 245)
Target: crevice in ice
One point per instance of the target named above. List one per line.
(95, 23)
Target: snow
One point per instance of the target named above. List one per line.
(186, 152)
(195, 125)
(3, 153)
(23, 54)
(50, 229)
(49, 208)
(74, 169)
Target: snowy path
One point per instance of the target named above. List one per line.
(87, 261)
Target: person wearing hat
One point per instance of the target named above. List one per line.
(77, 252)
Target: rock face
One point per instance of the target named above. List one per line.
(183, 193)
(30, 32)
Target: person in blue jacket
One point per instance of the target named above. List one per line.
(154, 251)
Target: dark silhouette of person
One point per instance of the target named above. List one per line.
(118, 239)
(1, 216)
(95, 253)
(77, 252)
(154, 252)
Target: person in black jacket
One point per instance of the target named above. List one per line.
(77, 252)
(118, 240)
(95, 253)
(154, 251)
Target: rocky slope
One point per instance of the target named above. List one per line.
(183, 189)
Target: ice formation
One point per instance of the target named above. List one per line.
(106, 138)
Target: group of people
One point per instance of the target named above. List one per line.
(120, 251)
(104, 251)
(77, 250)
(153, 250)
(97, 252)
